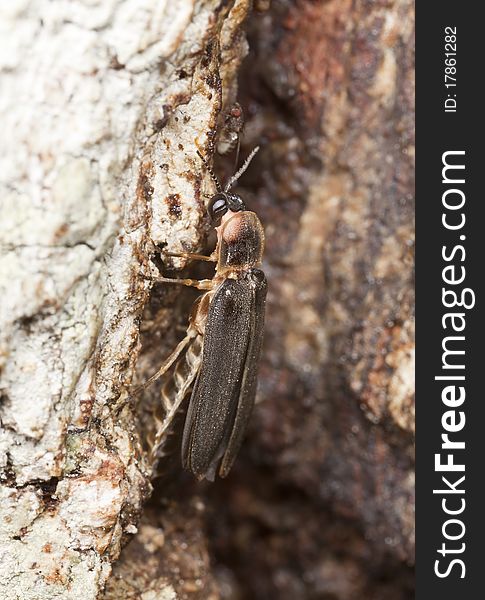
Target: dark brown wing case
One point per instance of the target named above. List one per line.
(224, 391)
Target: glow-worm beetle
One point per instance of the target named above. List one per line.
(222, 345)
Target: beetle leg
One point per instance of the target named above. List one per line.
(200, 284)
(167, 363)
(211, 258)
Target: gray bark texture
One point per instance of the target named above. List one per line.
(103, 106)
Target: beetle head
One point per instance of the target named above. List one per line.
(225, 200)
(222, 202)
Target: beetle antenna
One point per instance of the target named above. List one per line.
(211, 172)
(237, 152)
(238, 174)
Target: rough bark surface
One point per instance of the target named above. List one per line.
(323, 506)
(103, 106)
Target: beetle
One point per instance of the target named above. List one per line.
(220, 353)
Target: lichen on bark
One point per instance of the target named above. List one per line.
(103, 106)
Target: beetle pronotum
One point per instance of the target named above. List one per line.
(223, 341)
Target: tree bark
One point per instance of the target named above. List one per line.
(322, 505)
(103, 105)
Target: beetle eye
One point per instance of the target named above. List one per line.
(217, 208)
